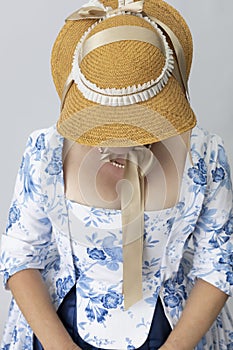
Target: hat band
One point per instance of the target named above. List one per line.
(98, 11)
(130, 94)
(126, 32)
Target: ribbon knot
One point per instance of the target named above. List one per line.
(141, 156)
(95, 12)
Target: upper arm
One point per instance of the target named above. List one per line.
(28, 231)
(213, 234)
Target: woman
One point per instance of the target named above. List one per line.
(120, 229)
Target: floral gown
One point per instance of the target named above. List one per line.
(191, 240)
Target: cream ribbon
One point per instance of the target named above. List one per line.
(126, 32)
(139, 162)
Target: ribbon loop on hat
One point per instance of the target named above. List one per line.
(139, 162)
(89, 12)
(92, 12)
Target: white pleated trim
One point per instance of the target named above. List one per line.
(125, 96)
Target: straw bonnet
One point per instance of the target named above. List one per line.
(121, 71)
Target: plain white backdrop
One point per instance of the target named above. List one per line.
(29, 101)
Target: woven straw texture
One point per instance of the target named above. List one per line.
(119, 65)
(123, 63)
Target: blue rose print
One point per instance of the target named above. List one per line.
(14, 215)
(64, 286)
(55, 165)
(40, 142)
(172, 300)
(230, 346)
(54, 168)
(218, 174)
(175, 290)
(96, 254)
(199, 173)
(57, 154)
(202, 166)
(111, 300)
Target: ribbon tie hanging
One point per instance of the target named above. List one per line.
(139, 162)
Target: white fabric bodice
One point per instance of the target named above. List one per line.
(96, 237)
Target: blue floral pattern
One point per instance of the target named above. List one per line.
(55, 165)
(96, 254)
(14, 215)
(63, 285)
(192, 240)
(199, 173)
(218, 174)
(112, 299)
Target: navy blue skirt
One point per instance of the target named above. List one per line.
(159, 331)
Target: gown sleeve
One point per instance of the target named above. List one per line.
(213, 234)
(26, 241)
